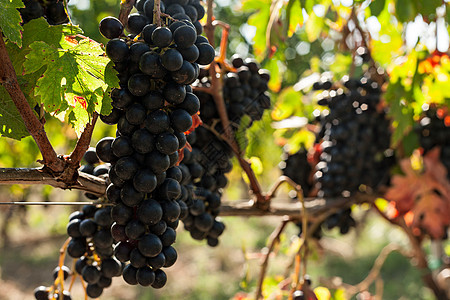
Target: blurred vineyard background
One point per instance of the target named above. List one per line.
(30, 237)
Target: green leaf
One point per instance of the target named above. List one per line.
(76, 75)
(260, 19)
(410, 143)
(256, 165)
(11, 123)
(294, 16)
(275, 76)
(241, 135)
(341, 64)
(405, 10)
(377, 6)
(39, 30)
(301, 138)
(314, 26)
(289, 101)
(389, 44)
(403, 114)
(427, 8)
(10, 20)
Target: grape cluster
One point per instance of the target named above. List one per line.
(204, 172)
(296, 167)
(190, 10)
(153, 109)
(92, 244)
(53, 10)
(354, 139)
(434, 131)
(244, 92)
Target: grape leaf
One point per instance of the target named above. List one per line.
(76, 76)
(314, 27)
(405, 10)
(10, 20)
(11, 123)
(376, 7)
(425, 194)
(288, 103)
(294, 16)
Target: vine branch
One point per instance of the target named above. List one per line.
(125, 8)
(84, 182)
(8, 79)
(216, 93)
(418, 253)
(73, 161)
(274, 239)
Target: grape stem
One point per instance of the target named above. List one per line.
(379, 77)
(216, 92)
(9, 81)
(62, 256)
(125, 8)
(157, 13)
(274, 239)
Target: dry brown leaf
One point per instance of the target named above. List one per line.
(426, 194)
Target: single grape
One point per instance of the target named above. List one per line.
(111, 27)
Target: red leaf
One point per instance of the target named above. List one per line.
(81, 100)
(196, 121)
(425, 195)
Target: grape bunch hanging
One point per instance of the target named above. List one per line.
(52, 10)
(245, 93)
(153, 108)
(354, 138)
(352, 145)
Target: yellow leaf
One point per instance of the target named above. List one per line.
(322, 293)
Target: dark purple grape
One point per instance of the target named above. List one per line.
(139, 84)
(144, 181)
(174, 93)
(117, 50)
(172, 60)
(104, 150)
(136, 22)
(190, 54)
(111, 27)
(149, 212)
(206, 55)
(185, 36)
(162, 37)
(157, 122)
(160, 279)
(150, 245)
(129, 274)
(153, 100)
(180, 120)
(145, 276)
